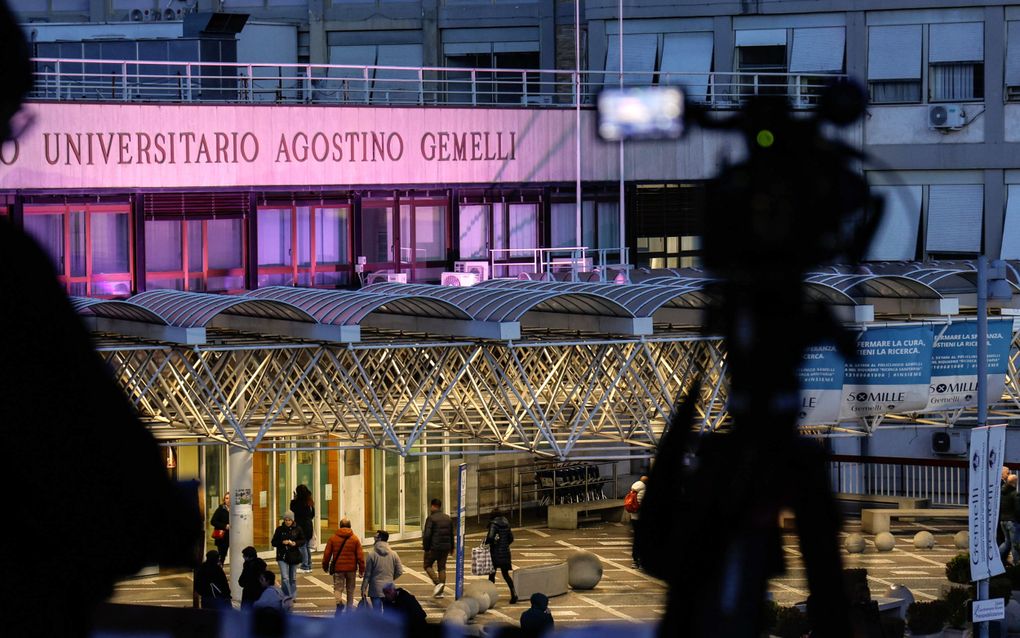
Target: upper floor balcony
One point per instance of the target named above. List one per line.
(63, 79)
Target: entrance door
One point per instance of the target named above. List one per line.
(423, 239)
(397, 494)
(378, 236)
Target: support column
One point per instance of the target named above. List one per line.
(240, 469)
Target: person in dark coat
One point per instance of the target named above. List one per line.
(211, 583)
(220, 522)
(287, 540)
(437, 541)
(253, 567)
(537, 620)
(499, 538)
(304, 515)
(399, 600)
(1009, 501)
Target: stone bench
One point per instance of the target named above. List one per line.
(874, 521)
(564, 516)
(552, 580)
(902, 502)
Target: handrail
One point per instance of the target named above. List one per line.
(547, 261)
(293, 83)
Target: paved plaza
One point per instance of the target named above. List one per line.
(625, 594)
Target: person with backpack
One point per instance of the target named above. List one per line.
(210, 585)
(344, 560)
(632, 503)
(288, 540)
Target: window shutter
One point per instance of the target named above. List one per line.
(817, 49)
(896, 237)
(894, 53)
(406, 88)
(954, 218)
(688, 53)
(1011, 228)
(761, 38)
(161, 206)
(1013, 54)
(638, 55)
(956, 42)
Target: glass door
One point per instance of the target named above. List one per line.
(378, 237)
(397, 495)
(423, 239)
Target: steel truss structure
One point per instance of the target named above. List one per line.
(604, 398)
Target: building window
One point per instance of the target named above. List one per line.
(956, 56)
(304, 246)
(493, 87)
(954, 59)
(894, 64)
(90, 246)
(667, 225)
(761, 55)
(205, 255)
(1013, 61)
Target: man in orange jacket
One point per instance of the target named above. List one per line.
(344, 558)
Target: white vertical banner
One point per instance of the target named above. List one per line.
(993, 477)
(978, 504)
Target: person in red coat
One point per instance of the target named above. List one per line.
(344, 559)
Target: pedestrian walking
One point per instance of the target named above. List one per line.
(1009, 506)
(633, 506)
(400, 601)
(498, 538)
(437, 541)
(304, 515)
(382, 565)
(210, 585)
(288, 540)
(220, 522)
(253, 567)
(344, 559)
(537, 620)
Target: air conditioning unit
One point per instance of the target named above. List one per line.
(459, 279)
(386, 278)
(949, 443)
(480, 268)
(946, 116)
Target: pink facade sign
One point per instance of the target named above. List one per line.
(190, 146)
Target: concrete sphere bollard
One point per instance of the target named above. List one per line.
(854, 543)
(474, 606)
(901, 592)
(924, 540)
(884, 541)
(584, 570)
(483, 590)
(455, 617)
(463, 605)
(482, 600)
(962, 540)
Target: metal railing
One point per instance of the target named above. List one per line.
(570, 263)
(221, 82)
(942, 482)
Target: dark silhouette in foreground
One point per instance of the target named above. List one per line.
(798, 205)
